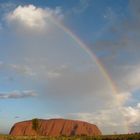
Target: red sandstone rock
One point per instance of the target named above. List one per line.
(55, 127)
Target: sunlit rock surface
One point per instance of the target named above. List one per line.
(55, 127)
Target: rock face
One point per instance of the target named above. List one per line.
(55, 127)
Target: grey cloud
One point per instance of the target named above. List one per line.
(18, 94)
(135, 7)
(120, 55)
(22, 69)
(18, 68)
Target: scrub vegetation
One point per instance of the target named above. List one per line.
(105, 137)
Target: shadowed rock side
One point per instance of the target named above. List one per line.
(55, 127)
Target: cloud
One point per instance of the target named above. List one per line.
(30, 70)
(65, 73)
(109, 14)
(120, 55)
(53, 74)
(126, 119)
(75, 81)
(134, 5)
(82, 6)
(32, 18)
(28, 16)
(1, 63)
(22, 69)
(56, 72)
(7, 6)
(18, 94)
(132, 115)
(121, 60)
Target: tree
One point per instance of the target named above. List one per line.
(35, 125)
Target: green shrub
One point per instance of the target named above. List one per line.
(35, 124)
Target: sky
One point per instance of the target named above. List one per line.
(76, 59)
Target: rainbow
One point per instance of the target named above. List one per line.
(91, 54)
(95, 59)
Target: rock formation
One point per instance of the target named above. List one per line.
(54, 127)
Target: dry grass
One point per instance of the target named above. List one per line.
(109, 137)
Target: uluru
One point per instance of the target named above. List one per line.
(54, 127)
